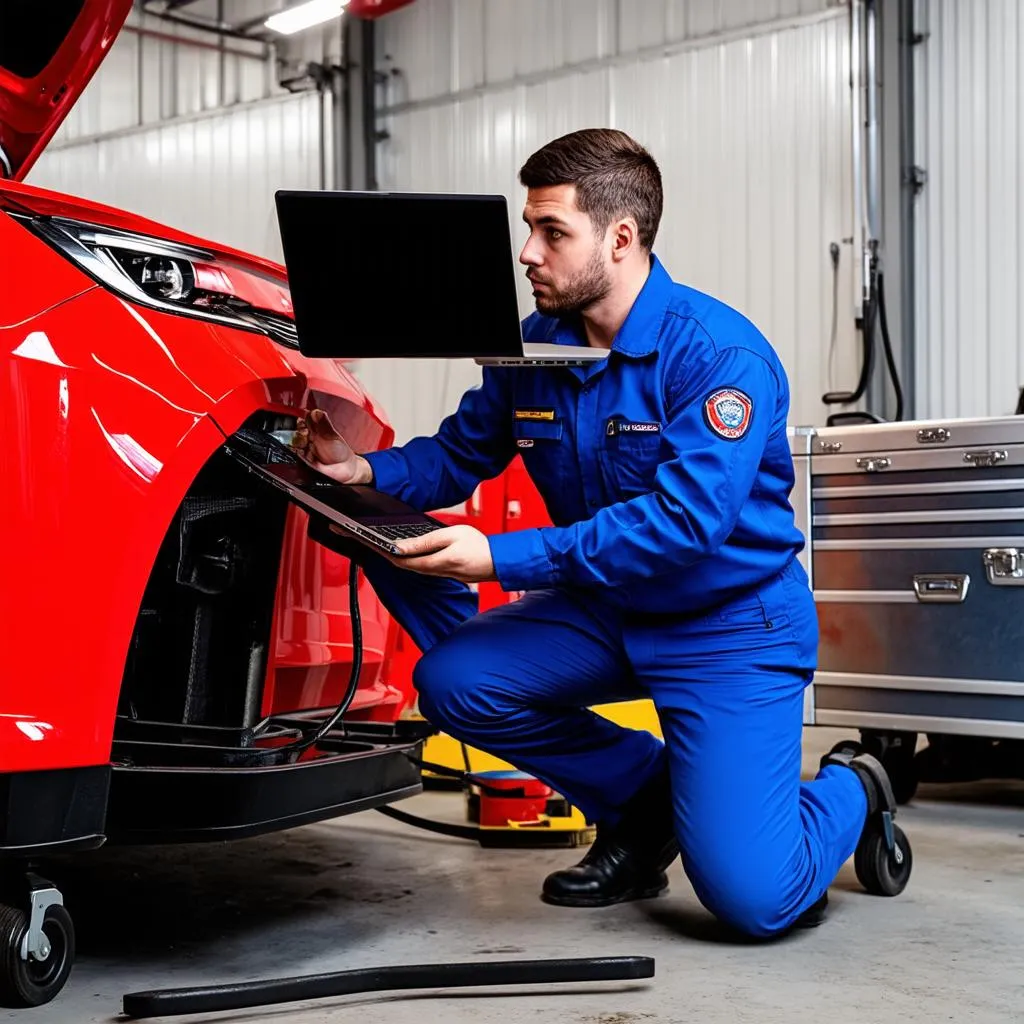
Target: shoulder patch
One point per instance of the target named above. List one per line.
(727, 412)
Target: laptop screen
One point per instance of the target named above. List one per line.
(384, 275)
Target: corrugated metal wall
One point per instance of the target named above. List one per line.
(176, 130)
(157, 70)
(214, 175)
(745, 103)
(970, 215)
(751, 127)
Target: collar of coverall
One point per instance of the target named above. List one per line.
(640, 333)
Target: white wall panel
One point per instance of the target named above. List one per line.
(213, 175)
(147, 78)
(448, 46)
(970, 215)
(752, 137)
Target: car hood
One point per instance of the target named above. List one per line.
(48, 53)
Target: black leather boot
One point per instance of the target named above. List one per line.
(815, 914)
(627, 861)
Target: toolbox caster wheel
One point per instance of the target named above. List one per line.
(883, 871)
(896, 751)
(34, 977)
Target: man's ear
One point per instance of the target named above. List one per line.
(624, 237)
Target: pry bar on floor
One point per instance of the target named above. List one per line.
(213, 998)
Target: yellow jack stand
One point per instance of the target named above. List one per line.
(561, 824)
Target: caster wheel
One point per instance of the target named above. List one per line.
(896, 751)
(883, 872)
(902, 773)
(33, 982)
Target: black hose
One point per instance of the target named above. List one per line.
(867, 357)
(240, 995)
(887, 347)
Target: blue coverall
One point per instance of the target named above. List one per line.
(670, 572)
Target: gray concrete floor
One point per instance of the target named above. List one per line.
(364, 890)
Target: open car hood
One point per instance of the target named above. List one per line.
(48, 53)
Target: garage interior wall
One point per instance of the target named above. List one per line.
(745, 104)
(969, 260)
(188, 136)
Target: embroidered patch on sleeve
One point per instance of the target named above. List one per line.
(727, 412)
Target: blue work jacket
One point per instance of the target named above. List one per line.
(665, 469)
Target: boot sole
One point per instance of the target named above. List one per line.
(604, 901)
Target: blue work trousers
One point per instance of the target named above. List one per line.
(758, 845)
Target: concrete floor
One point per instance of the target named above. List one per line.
(364, 890)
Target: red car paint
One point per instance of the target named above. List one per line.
(108, 411)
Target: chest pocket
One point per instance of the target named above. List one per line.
(629, 462)
(542, 446)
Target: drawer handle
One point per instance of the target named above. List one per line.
(1004, 567)
(942, 587)
(875, 464)
(983, 459)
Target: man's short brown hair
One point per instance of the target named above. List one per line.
(613, 174)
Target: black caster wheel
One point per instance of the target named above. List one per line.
(33, 982)
(883, 872)
(903, 776)
(896, 751)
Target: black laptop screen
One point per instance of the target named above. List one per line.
(380, 275)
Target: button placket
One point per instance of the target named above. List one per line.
(586, 427)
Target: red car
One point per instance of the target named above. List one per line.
(173, 636)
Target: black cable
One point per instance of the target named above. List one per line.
(302, 745)
(887, 347)
(833, 251)
(467, 777)
(442, 828)
(240, 995)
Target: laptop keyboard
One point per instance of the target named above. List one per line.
(404, 531)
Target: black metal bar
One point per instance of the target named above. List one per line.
(368, 65)
(214, 998)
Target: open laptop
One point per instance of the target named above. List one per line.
(362, 512)
(387, 274)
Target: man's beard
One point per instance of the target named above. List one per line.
(582, 290)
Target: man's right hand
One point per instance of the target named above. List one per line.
(319, 444)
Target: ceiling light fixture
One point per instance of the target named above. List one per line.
(296, 19)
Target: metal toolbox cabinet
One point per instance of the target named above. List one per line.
(916, 557)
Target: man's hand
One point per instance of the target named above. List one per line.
(459, 552)
(319, 444)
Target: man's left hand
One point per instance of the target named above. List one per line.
(459, 552)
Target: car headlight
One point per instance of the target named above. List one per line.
(172, 277)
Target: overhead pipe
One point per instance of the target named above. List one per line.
(197, 44)
(199, 26)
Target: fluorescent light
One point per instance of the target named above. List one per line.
(295, 19)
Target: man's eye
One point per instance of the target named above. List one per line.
(554, 234)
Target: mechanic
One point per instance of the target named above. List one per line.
(670, 571)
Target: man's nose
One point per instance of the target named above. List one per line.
(529, 255)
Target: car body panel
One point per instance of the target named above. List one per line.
(109, 410)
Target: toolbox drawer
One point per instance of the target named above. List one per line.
(917, 562)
